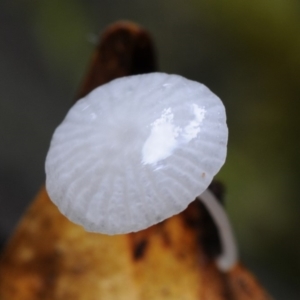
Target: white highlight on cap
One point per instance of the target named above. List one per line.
(165, 136)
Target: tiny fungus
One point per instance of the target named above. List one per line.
(136, 151)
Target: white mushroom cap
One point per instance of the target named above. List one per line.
(136, 151)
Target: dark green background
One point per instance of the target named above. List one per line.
(247, 52)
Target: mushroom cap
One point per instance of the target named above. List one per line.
(136, 151)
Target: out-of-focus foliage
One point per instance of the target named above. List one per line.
(248, 52)
(61, 28)
(259, 45)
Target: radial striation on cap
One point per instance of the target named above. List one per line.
(136, 151)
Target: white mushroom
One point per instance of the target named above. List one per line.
(136, 151)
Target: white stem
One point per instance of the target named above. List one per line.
(229, 256)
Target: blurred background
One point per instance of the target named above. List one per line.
(247, 52)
